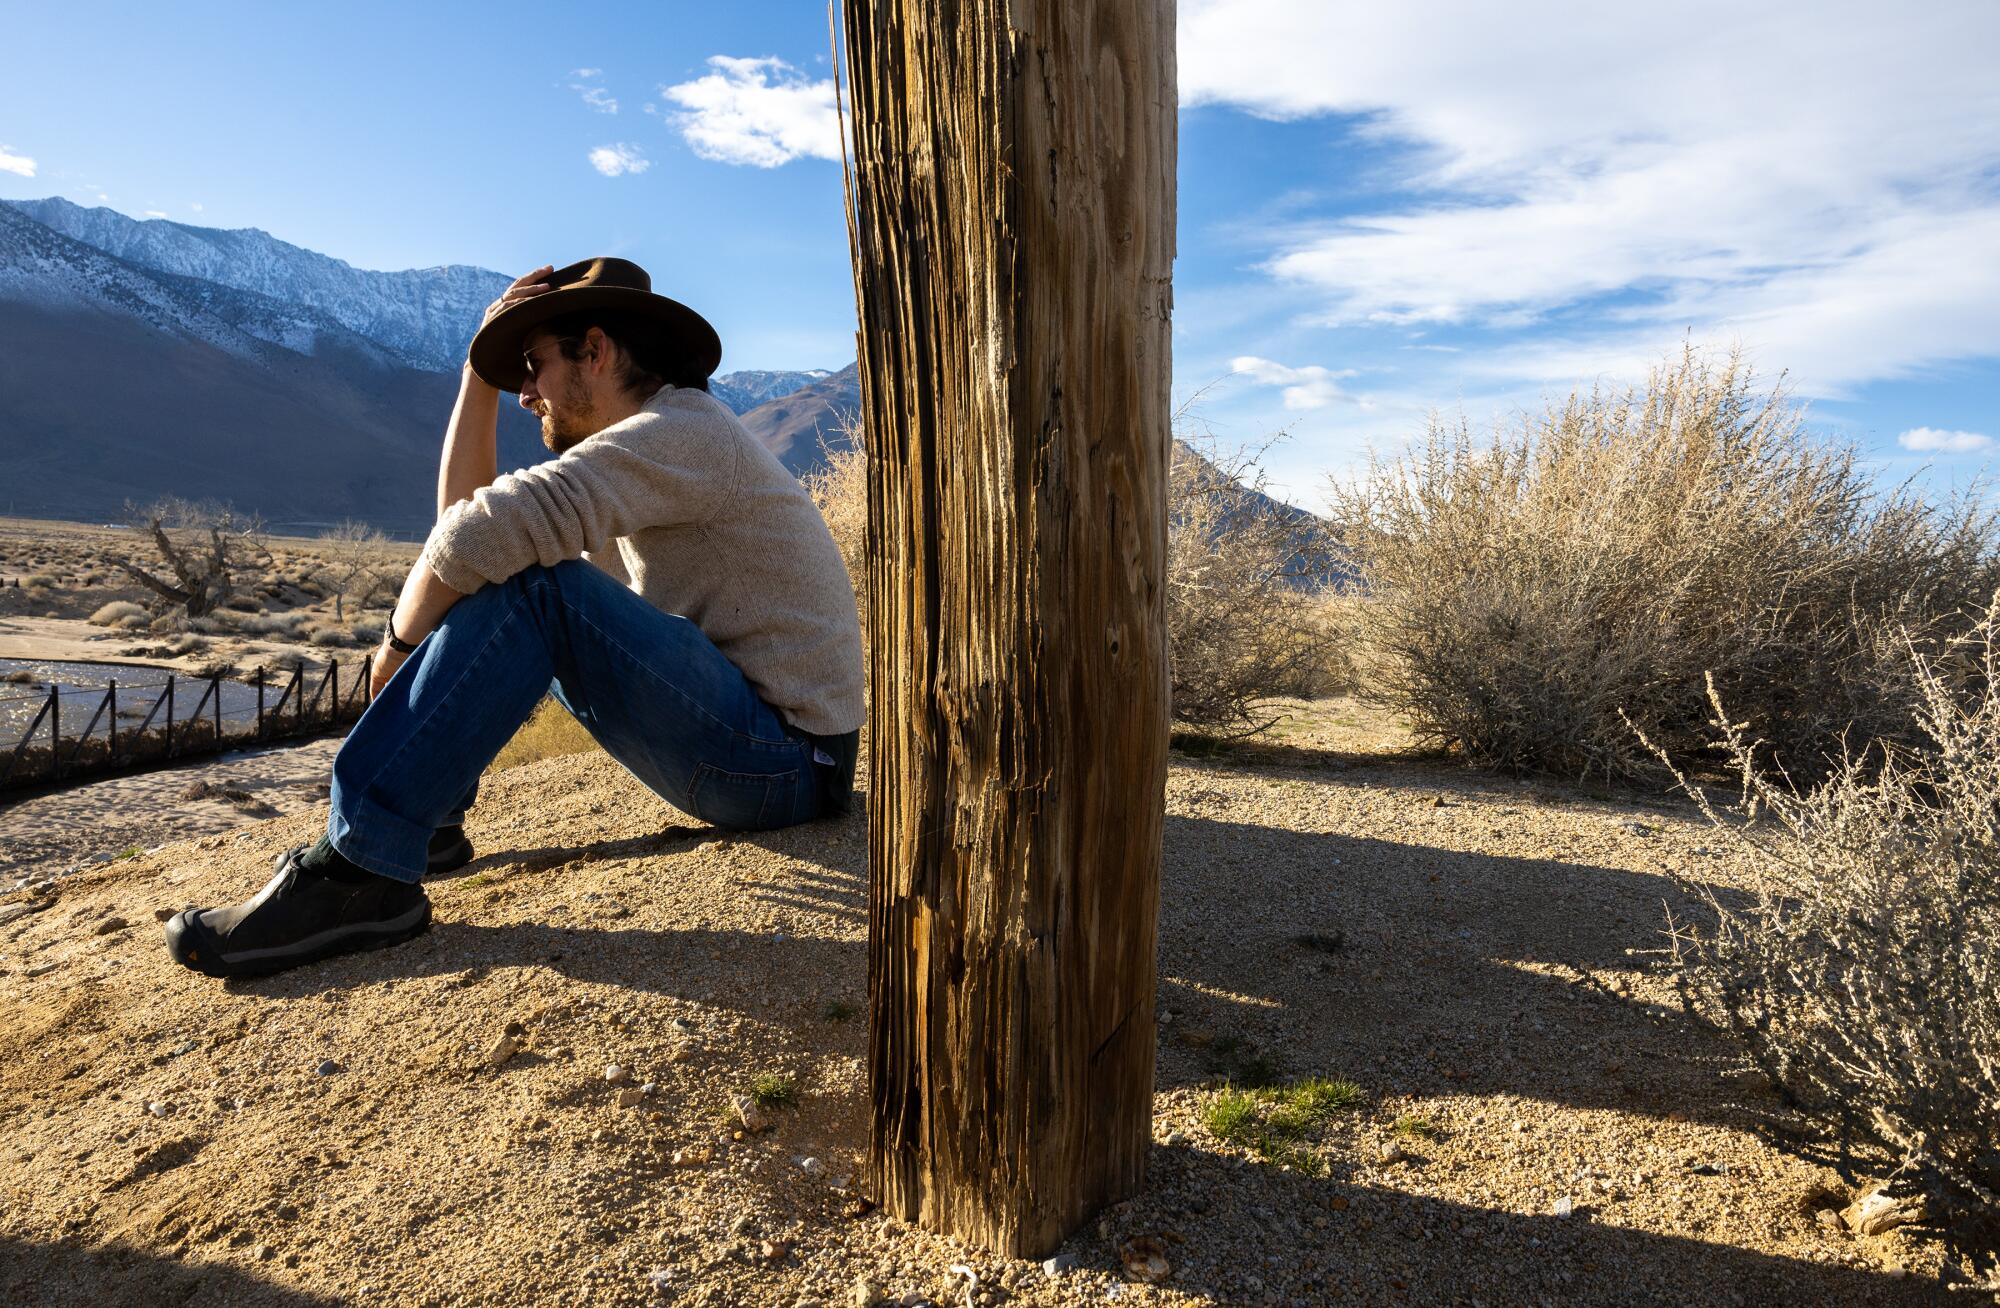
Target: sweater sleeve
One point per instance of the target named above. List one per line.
(626, 478)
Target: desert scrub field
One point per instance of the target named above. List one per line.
(281, 595)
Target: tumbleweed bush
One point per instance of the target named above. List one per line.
(1607, 555)
(1861, 972)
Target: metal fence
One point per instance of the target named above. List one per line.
(171, 728)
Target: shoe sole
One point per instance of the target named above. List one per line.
(192, 947)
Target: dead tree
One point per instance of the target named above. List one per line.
(1012, 223)
(201, 544)
(353, 565)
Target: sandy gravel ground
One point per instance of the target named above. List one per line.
(1460, 947)
(51, 833)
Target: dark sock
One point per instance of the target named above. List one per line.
(322, 858)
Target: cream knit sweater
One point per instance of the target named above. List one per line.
(681, 504)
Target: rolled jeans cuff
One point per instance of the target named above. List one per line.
(370, 836)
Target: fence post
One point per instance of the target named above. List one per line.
(55, 733)
(111, 702)
(215, 684)
(298, 694)
(170, 715)
(260, 703)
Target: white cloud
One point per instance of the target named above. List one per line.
(619, 158)
(756, 111)
(196, 206)
(1944, 442)
(595, 96)
(18, 164)
(155, 213)
(1311, 387)
(1816, 179)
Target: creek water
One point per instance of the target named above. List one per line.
(25, 684)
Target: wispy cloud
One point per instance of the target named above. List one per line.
(618, 159)
(155, 213)
(1817, 181)
(1931, 440)
(590, 92)
(1311, 387)
(196, 206)
(761, 112)
(18, 164)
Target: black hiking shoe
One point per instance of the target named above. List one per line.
(449, 851)
(305, 912)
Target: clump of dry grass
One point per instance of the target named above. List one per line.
(1607, 555)
(117, 612)
(548, 732)
(1862, 975)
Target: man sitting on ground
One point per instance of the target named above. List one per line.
(663, 577)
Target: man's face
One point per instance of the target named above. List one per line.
(557, 390)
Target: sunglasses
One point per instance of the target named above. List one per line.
(528, 357)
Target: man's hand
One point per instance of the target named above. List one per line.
(524, 288)
(383, 667)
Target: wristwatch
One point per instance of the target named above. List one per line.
(394, 642)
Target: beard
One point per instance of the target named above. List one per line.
(568, 424)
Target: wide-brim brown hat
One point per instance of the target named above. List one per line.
(618, 284)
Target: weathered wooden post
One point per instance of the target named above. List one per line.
(1012, 222)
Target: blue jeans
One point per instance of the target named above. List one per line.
(654, 691)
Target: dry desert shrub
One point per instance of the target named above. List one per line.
(1247, 617)
(1606, 556)
(117, 612)
(840, 489)
(1248, 604)
(1862, 972)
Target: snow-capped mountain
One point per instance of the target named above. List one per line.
(425, 315)
(185, 360)
(744, 391)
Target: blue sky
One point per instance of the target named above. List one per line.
(1385, 209)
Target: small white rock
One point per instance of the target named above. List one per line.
(159, 1109)
(615, 1074)
(748, 1113)
(1565, 1207)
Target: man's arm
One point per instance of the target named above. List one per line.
(470, 458)
(424, 602)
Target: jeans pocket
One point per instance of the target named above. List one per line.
(745, 801)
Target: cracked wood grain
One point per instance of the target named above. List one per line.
(1011, 211)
